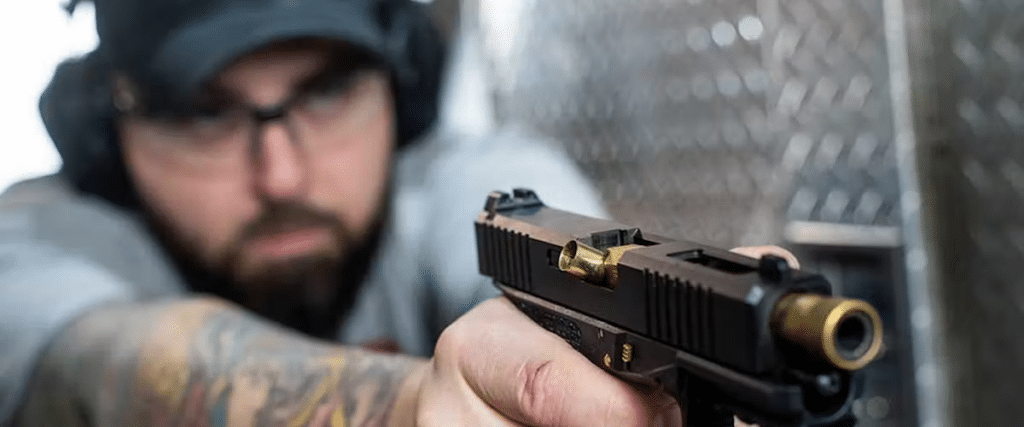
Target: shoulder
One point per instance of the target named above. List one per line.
(62, 254)
(33, 190)
(49, 208)
(459, 170)
(48, 212)
(54, 196)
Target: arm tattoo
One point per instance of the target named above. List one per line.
(205, 363)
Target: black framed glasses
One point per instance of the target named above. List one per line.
(218, 131)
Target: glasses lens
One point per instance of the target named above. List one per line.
(201, 138)
(345, 104)
(216, 132)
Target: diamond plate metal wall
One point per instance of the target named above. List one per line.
(729, 122)
(664, 106)
(830, 99)
(968, 93)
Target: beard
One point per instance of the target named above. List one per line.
(312, 293)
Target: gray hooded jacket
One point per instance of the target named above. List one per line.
(63, 252)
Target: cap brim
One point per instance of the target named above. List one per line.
(195, 54)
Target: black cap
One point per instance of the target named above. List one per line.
(173, 46)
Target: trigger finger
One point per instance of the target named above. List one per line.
(759, 251)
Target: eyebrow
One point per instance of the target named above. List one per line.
(340, 62)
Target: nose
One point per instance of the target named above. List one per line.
(280, 162)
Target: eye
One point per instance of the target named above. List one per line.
(327, 92)
(211, 115)
(211, 107)
(202, 125)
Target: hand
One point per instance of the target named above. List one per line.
(759, 251)
(495, 367)
(485, 374)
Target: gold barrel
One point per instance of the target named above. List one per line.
(846, 332)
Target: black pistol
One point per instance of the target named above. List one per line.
(727, 335)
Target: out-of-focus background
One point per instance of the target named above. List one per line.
(878, 139)
(34, 37)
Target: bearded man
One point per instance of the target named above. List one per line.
(252, 195)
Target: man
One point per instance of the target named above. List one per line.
(276, 150)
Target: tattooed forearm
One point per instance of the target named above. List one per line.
(205, 363)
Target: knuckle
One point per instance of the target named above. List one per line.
(454, 354)
(538, 393)
(428, 418)
(626, 406)
(453, 337)
(626, 410)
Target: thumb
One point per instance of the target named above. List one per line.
(534, 377)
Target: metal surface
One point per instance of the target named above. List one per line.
(829, 99)
(923, 287)
(875, 275)
(662, 103)
(762, 112)
(846, 332)
(968, 73)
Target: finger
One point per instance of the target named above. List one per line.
(667, 412)
(534, 377)
(738, 423)
(759, 251)
(662, 405)
(447, 408)
(446, 400)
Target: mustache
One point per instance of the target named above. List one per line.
(281, 217)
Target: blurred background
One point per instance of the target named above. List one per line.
(877, 139)
(33, 41)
